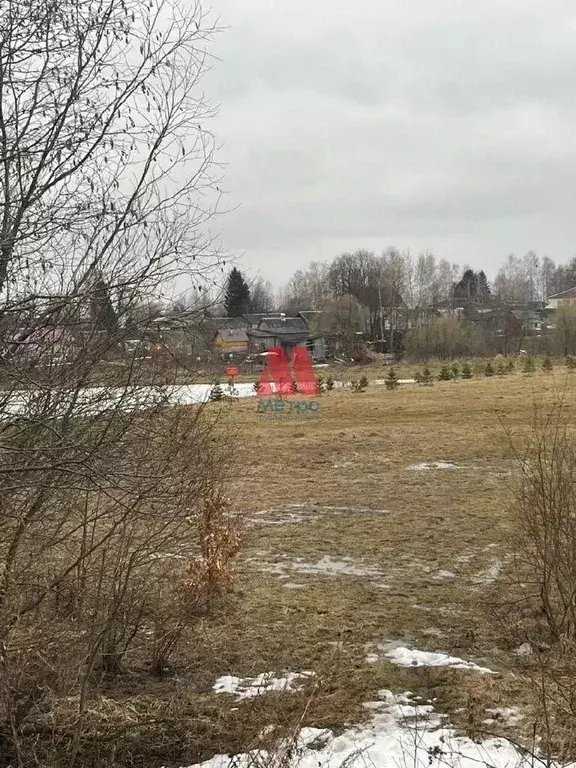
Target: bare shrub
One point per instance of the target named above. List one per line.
(106, 182)
(545, 515)
(538, 612)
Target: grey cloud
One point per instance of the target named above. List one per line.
(446, 124)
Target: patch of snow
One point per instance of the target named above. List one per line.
(325, 566)
(445, 575)
(352, 509)
(382, 382)
(401, 732)
(292, 585)
(506, 716)
(524, 650)
(248, 687)
(330, 566)
(489, 574)
(426, 465)
(411, 657)
(301, 513)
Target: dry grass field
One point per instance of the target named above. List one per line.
(353, 537)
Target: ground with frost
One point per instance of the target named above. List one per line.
(402, 731)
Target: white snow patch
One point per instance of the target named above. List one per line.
(401, 732)
(248, 687)
(508, 717)
(411, 657)
(301, 513)
(445, 575)
(330, 566)
(490, 573)
(382, 382)
(426, 465)
(325, 566)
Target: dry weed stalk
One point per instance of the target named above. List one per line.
(538, 614)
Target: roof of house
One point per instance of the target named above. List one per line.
(216, 323)
(309, 314)
(569, 292)
(255, 317)
(237, 335)
(283, 324)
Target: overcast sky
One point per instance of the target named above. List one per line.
(418, 123)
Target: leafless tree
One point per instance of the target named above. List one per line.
(261, 296)
(107, 185)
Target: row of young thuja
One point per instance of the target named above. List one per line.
(500, 368)
(218, 392)
(451, 372)
(324, 385)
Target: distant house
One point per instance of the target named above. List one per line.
(563, 299)
(232, 341)
(41, 346)
(285, 332)
(532, 320)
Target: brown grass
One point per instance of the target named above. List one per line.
(410, 526)
(405, 528)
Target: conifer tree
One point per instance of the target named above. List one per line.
(237, 298)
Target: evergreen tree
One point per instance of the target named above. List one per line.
(489, 369)
(547, 365)
(427, 378)
(467, 371)
(329, 383)
(237, 297)
(501, 369)
(510, 365)
(102, 310)
(474, 286)
(445, 374)
(455, 371)
(467, 288)
(529, 366)
(418, 378)
(392, 380)
(483, 291)
(216, 393)
(320, 383)
(571, 363)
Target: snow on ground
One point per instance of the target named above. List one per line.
(505, 716)
(489, 574)
(426, 465)
(325, 566)
(442, 575)
(402, 732)
(382, 382)
(411, 657)
(248, 687)
(99, 399)
(290, 513)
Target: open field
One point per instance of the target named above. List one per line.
(383, 523)
(378, 531)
